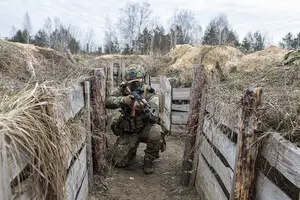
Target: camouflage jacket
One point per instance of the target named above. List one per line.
(114, 102)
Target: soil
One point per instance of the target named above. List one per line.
(131, 182)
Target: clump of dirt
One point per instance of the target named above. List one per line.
(22, 64)
(261, 59)
(132, 183)
(180, 61)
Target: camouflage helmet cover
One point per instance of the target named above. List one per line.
(134, 72)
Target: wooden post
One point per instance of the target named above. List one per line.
(110, 78)
(192, 124)
(123, 65)
(162, 91)
(147, 79)
(5, 189)
(98, 122)
(248, 147)
(87, 96)
(198, 138)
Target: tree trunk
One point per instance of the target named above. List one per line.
(98, 122)
(192, 124)
(248, 147)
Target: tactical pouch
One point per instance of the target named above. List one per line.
(119, 125)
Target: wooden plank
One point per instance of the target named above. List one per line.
(207, 182)
(181, 93)
(179, 117)
(123, 65)
(16, 163)
(180, 107)
(76, 175)
(154, 79)
(225, 114)
(220, 141)
(225, 173)
(155, 86)
(267, 190)
(178, 129)
(75, 146)
(72, 103)
(284, 156)
(167, 120)
(163, 80)
(84, 189)
(87, 97)
(5, 190)
(25, 190)
(168, 105)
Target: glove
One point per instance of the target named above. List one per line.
(138, 105)
(127, 99)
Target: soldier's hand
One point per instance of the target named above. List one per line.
(128, 100)
(138, 105)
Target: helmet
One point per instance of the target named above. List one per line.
(134, 72)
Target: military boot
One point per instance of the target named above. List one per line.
(148, 166)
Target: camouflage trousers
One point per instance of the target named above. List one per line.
(126, 145)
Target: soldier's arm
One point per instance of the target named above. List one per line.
(154, 104)
(114, 100)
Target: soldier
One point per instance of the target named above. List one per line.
(133, 125)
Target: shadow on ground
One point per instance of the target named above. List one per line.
(131, 183)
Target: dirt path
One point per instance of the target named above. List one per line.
(131, 183)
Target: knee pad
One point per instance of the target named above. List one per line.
(155, 132)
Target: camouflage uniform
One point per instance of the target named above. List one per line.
(133, 130)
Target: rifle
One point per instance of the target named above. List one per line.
(137, 96)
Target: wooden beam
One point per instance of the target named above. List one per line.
(207, 183)
(244, 180)
(76, 175)
(267, 190)
(5, 189)
(163, 82)
(123, 66)
(84, 189)
(284, 156)
(178, 129)
(216, 137)
(25, 190)
(181, 94)
(179, 117)
(180, 107)
(98, 123)
(87, 97)
(225, 173)
(199, 136)
(167, 105)
(16, 163)
(71, 104)
(192, 125)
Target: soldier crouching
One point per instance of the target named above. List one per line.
(138, 120)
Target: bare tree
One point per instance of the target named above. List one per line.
(27, 26)
(109, 34)
(88, 38)
(133, 19)
(48, 29)
(12, 31)
(196, 35)
(184, 21)
(222, 26)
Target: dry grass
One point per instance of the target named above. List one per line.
(27, 121)
(281, 96)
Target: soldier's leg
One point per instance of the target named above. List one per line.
(152, 137)
(124, 149)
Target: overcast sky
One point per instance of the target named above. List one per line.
(274, 17)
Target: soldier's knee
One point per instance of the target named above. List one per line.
(155, 132)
